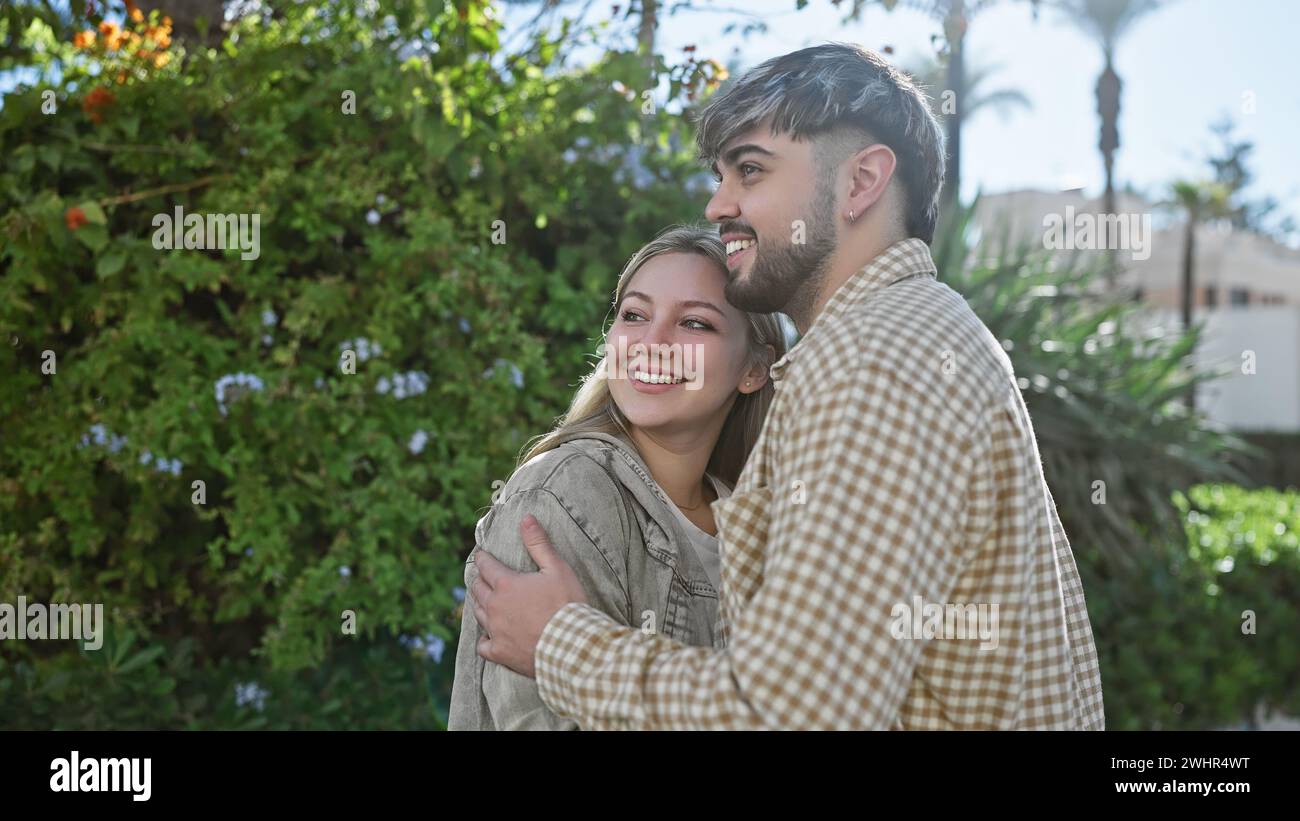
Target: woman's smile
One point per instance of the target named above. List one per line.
(645, 382)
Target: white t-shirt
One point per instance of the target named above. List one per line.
(706, 546)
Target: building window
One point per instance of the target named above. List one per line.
(1211, 296)
(1239, 296)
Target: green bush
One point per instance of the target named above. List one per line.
(1120, 451)
(1177, 649)
(328, 491)
(325, 491)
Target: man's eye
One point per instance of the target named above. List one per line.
(745, 169)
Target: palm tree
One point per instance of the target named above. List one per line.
(1199, 201)
(932, 74)
(1107, 21)
(1104, 398)
(955, 17)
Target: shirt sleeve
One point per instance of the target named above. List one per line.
(1087, 669)
(882, 476)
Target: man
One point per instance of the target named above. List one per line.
(897, 471)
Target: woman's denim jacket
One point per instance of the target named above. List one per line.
(609, 520)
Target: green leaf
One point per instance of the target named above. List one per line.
(94, 237)
(110, 264)
(94, 214)
(51, 156)
(141, 658)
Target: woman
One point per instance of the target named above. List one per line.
(623, 485)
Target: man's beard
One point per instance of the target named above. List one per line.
(787, 277)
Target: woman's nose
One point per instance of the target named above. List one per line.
(651, 341)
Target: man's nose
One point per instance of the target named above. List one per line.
(722, 205)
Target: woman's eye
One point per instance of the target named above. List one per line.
(629, 316)
(698, 325)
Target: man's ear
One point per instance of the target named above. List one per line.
(872, 169)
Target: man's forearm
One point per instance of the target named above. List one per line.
(608, 676)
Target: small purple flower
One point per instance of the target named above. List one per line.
(251, 695)
(402, 385)
(363, 347)
(418, 440)
(516, 375)
(430, 645)
(433, 647)
(345, 571)
(234, 385)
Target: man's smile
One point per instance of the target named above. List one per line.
(738, 246)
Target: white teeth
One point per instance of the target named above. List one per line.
(738, 245)
(654, 379)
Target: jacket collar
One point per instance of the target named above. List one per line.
(622, 458)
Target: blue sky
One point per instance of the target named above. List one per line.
(1183, 66)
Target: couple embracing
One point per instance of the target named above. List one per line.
(729, 545)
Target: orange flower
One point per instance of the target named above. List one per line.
(108, 29)
(84, 39)
(95, 100)
(161, 60)
(135, 13)
(75, 218)
(121, 77)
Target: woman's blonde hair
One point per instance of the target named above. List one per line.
(593, 409)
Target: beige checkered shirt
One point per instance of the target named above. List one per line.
(891, 556)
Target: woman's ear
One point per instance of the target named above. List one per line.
(756, 376)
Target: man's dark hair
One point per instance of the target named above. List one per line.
(838, 87)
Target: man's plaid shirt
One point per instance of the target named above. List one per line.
(897, 467)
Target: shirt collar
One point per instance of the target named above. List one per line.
(905, 258)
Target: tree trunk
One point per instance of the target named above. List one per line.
(185, 16)
(955, 28)
(1108, 91)
(646, 35)
(1189, 289)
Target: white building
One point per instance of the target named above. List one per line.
(1247, 292)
